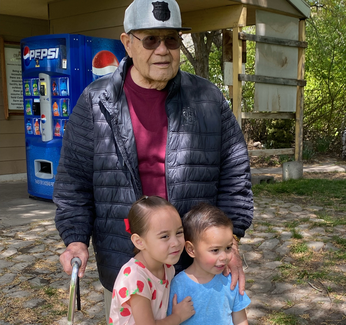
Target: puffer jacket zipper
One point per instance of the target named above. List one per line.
(113, 112)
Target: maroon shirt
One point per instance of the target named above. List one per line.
(149, 121)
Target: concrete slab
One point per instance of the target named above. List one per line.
(17, 208)
(260, 179)
(292, 170)
(321, 168)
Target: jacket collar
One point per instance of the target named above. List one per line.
(110, 97)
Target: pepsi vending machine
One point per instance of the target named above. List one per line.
(55, 70)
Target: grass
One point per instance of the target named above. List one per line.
(322, 268)
(280, 318)
(332, 220)
(340, 241)
(321, 192)
(299, 248)
(50, 291)
(296, 235)
(292, 224)
(309, 265)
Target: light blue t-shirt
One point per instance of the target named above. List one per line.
(214, 301)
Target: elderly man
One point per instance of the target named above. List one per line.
(148, 129)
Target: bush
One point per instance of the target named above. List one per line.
(280, 134)
(322, 144)
(308, 151)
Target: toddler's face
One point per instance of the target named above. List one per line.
(213, 250)
(165, 237)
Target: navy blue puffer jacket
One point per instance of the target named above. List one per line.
(98, 178)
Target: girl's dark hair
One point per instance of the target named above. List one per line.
(140, 212)
(200, 218)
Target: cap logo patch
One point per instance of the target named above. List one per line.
(161, 11)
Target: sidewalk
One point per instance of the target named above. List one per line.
(34, 288)
(16, 208)
(313, 168)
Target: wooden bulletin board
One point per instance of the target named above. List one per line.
(11, 73)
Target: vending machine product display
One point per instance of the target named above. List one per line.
(55, 70)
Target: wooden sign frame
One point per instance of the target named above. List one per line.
(3, 45)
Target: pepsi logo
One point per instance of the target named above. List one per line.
(43, 119)
(104, 62)
(50, 54)
(26, 55)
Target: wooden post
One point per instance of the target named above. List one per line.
(227, 50)
(3, 77)
(298, 151)
(237, 63)
(234, 50)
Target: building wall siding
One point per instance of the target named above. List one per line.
(12, 137)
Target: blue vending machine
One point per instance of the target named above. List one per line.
(55, 70)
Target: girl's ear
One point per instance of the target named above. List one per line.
(138, 241)
(190, 249)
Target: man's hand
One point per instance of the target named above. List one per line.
(75, 250)
(235, 267)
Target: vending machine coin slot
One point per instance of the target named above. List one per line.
(46, 123)
(42, 88)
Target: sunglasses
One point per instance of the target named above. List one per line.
(172, 42)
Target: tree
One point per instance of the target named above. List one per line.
(325, 92)
(198, 55)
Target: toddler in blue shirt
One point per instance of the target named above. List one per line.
(209, 239)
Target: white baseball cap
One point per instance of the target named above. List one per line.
(146, 14)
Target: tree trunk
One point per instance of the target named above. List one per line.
(199, 58)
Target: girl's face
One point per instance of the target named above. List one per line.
(164, 241)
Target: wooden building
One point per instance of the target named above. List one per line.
(22, 18)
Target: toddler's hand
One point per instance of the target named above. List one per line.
(184, 309)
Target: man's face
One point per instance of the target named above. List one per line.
(152, 68)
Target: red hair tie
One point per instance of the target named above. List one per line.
(127, 226)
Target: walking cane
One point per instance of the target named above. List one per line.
(74, 290)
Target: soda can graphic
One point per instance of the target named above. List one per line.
(57, 129)
(103, 63)
(37, 127)
(63, 87)
(29, 127)
(26, 55)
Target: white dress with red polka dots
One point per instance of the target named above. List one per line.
(135, 278)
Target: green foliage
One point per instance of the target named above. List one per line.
(322, 145)
(185, 64)
(285, 158)
(280, 318)
(299, 248)
(296, 234)
(308, 151)
(292, 224)
(340, 241)
(280, 134)
(249, 87)
(50, 291)
(315, 191)
(215, 72)
(325, 92)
